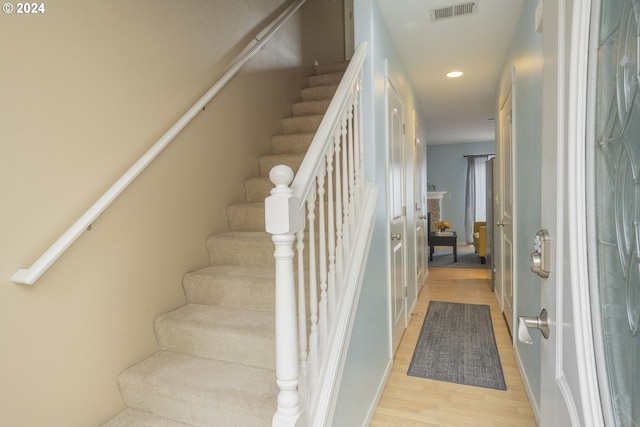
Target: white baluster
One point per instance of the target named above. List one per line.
(331, 232)
(315, 346)
(346, 243)
(303, 385)
(322, 235)
(338, 219)
(352, 177)
(356, 150)
(361, 134)
(281, 221)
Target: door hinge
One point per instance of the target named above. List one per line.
(404, 129)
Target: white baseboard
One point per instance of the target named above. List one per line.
(376, 400)
(527, 387)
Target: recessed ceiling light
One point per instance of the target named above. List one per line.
(454, 74)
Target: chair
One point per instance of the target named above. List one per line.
(480, 240)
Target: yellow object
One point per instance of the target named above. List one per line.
(442, 225)
(480, 239)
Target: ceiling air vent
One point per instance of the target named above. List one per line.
(454, 10)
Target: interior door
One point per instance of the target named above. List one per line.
(420, 198)
(504, 226)
(397, 212)
(569, 388)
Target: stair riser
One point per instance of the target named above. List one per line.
(309, 107)
(302, 124)
(192, 394)
(337, 67)
(257, 189)
(292, 143)
(318, 93)
(219, 342)
(254, 252)
(325, 79)
(246, 217)
(233, 291)
(266, 163)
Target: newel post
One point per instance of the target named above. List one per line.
(282, 219)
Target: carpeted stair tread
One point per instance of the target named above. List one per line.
(318, 92)
(295, 143)
(133, 417)
(332, 67)
(326, 79)
(221, 333)
(266, 163)
(201, 392)
(241, 248)
(301, 124)
(252, 288)
(246, 217)
(304, 108)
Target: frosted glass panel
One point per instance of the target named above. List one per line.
(617, 210)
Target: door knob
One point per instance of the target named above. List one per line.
(396, 236)
(541, 322)
(500, 223)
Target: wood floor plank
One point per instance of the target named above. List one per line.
(411, 401)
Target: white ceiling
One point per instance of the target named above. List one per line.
(456, 109)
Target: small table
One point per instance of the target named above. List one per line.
(448, 240)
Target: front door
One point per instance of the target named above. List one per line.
(397, 214)
(569, 387)
(613, 191)
(505, 223)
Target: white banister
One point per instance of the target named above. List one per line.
(32, 274)
(330, 208)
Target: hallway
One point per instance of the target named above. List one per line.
(411, 401)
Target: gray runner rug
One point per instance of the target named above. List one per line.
(457, 345)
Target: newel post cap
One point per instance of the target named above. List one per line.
(281, 207)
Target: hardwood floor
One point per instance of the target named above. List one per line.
(411, 401)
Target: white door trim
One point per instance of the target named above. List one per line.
(577, 212)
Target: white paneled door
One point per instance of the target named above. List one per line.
(397, 214)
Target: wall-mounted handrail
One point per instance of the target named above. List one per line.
(30, 275)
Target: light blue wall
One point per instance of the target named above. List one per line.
(369, 355)
(447, 170)
(525, 54)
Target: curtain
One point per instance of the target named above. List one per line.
(476, 194)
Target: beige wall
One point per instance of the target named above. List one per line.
(85, 89)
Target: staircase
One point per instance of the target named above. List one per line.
(216, 360)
